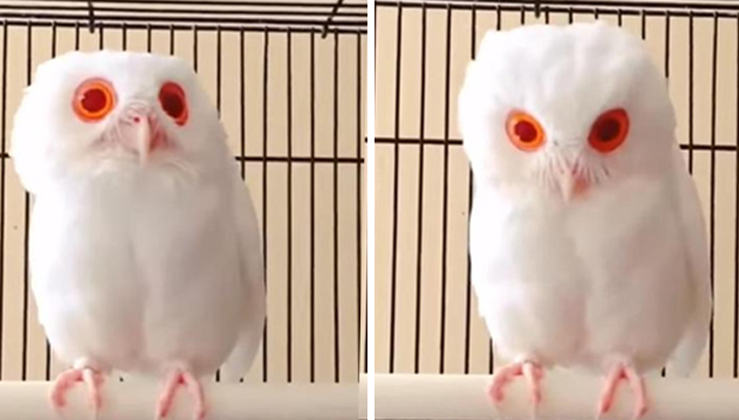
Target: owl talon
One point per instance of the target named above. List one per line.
(531, 371)
(618, 373)
(175, 380)
(68, 379)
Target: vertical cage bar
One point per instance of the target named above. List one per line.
(76, 36)
(358, 187)
(171, 39)
(421, 162)
(148, 38)
(124, 36)
(445, 191)
(523, 14)
(265, 123)
(667, 46)
(195, 48)
(242, 103)
(312, 206)
(219, 71)
(691, 93)
(735, 364)
(289, 206)
(337, 353)
(643, 24)
(26, 214)
(219, 65)
(396, 187)
(101, 37)
(712, 192)
(3, 162)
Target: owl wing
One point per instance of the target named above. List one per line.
(691, 346)
(252, 269)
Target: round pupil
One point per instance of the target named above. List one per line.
(608, 130)
(94, 100)
(525, 131)
(172, 104)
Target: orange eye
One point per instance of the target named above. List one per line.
(609, 131)
(524, 131)
(173, 102)
(93, 100)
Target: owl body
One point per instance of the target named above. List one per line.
(577, 284)
(145, 252)
(587, 239)
(121, 281)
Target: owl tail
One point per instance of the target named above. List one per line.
(690, 348)
(247, 345)
(242, 356)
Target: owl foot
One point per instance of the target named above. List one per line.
(531, 371)
(68, 379)
(176, 379)
(628, 373)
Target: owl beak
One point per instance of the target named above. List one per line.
(573, 185)
(143, 139)
(149, 137)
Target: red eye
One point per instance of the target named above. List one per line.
(173, 102)
(93, 100)
(524, 131)
(609, 131)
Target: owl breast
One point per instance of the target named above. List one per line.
(136, 275)
(576, 284)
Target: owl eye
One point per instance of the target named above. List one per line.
(93, 100)
(609, 131)
(173, 102)
(524, 131)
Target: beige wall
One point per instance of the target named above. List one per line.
(457, 357)
(277, 362)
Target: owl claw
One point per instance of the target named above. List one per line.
(531, 371)
(68, 379)
(176, 379)
(618, 373)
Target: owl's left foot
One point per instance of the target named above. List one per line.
(623, 372)
(531, 371)
(177, 378)
(68, 379)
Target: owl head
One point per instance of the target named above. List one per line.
(564, 110)
(113, 112)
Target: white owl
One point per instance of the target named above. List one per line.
(587, 240)
(144, 245)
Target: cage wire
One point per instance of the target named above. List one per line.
(288, 80)
(426, 313)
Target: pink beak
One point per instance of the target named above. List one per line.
(148, 137)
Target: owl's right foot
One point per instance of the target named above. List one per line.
(181, 378)
(68, 379)
(531, 371)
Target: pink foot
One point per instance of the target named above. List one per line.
(68, 379)
(619, 372)
(531, 371)
(174, 380)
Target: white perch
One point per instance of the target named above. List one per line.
(136, 401)
(566, 395)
